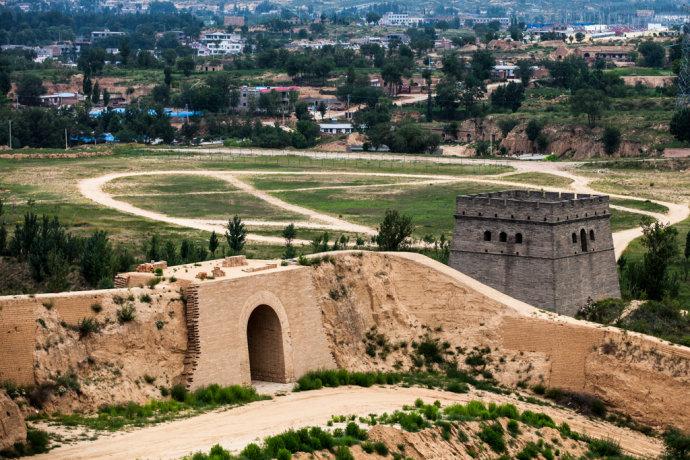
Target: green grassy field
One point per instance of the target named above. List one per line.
(544, 179)
(166, 184)
(431, 206)
(645, 205)
(52, 185)
(290, 182)
(217, 206)
(623, 220)
(639, 71)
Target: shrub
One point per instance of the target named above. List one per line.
(513, 427)
(145, 298)
(493, 436)
(343, 453)
(604, 311)
(381, 449)
(457, 387)
(158, 272)
(126, 313)
(118, 300)
(37, 442)
(96, 308)
(153, 282)
(283, 454)
(149, 379)
(87, 326)
(677, 444)
(252, 452)
(604, 448)
(179, 392)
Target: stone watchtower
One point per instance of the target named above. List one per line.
(551, 250)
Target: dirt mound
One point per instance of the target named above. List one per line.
(463, 442)
(118, 362)
(389, 312)
(574, 142)
(12, 426)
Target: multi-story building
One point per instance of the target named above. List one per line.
(105, 33)
(218, 35)
(249, 95)
(399, 19)
(220, 48)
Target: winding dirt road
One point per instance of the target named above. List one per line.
(237, 427)
(93, 189)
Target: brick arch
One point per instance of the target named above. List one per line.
(267, 306)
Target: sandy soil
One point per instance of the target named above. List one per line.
(235, 428)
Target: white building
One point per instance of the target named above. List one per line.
(399, 19)
(335, 128)
(505, 22)
(220, 48)
(101, 34)
(217, 36)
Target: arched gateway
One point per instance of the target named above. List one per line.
(265, 345)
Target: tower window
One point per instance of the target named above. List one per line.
(591, 235)
(487, 235)
(518, 238)
(583, 240)
(574, 237)
(502, 237)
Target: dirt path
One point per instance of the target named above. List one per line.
(93, 189)
(237, 427)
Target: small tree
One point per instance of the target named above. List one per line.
(322, 109)
(167, 76)
(591, 102)
(680, 125)
(86, 86)
(213, 243)
(289, 233)
(96, 93)
(394, 231)
(236, 235)
(97, 260)
(662, 248)
(533, 129)
(106, 97)
(611, 139)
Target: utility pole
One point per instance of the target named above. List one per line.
(683, 99)
(65, 138)
(10, 134)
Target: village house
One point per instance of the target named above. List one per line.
(233, 21)
(605, 53)
(63, 99)
(249, 96)
(335, 128)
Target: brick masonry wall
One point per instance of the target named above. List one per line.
(550, 269)
(224, 310)
(19, 319)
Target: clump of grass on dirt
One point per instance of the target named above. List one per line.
(181, 403)
(414, 418)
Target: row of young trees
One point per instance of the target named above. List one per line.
(59, 260)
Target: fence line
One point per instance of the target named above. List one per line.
(358, 160)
